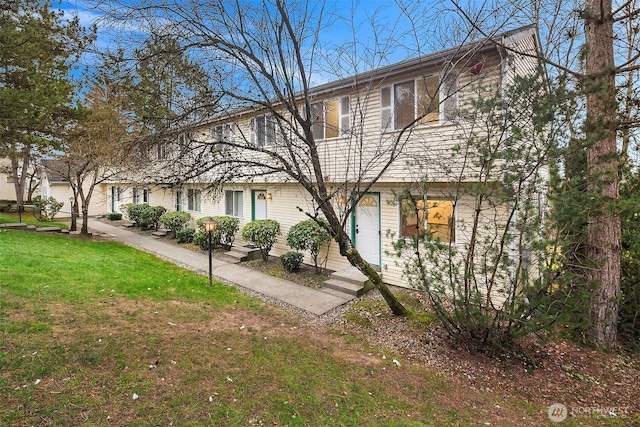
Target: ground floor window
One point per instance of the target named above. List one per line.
(233, 203)
(178, 200)
(194, 200)
(140, 195)
(436, 217)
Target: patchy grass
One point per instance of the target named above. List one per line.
(87, 326)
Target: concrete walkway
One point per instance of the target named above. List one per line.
(302, 297)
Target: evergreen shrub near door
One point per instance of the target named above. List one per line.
(225, 234)
(309, 235)
(175, 221)
(263, 234)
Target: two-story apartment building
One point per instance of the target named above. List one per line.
(394, 145)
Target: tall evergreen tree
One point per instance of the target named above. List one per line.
(39, 47)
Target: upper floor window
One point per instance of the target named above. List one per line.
(331, 118)
(224, 132)
(425, 101)
(184, 143)
(418, 216)
(263, 130)
(194, 200)
(161, 151)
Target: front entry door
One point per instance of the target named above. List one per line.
(259, 204)
(367, 228)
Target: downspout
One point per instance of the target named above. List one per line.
(504, 63)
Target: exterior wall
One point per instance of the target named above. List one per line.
(62, 192)
(428, 158)
(7, 189)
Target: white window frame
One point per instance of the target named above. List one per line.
(234, 203)
(223, 133)
(137, 194)
(320, 115)
(161, 151)
(264, 130)
(426, 202)
(179, 201)
(447, 101)
(194, 200)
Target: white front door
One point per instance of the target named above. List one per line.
(367, 228)
(259, 204)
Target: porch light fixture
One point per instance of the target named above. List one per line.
(420, 204)
(342, 200)
(269, 196)
(209, 227)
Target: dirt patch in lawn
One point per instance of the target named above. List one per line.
(586, 381)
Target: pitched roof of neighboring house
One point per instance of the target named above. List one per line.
(53, 169)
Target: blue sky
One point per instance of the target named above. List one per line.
(386, 12)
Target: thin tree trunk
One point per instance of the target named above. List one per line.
(603, 228)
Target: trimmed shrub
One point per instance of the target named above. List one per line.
(225, 233)
(291, 261)
(186, 235)
(200, 238)
(145, 216)
(227, 228)
(124, 208)
(263, 234)
(175, 221)
(309, 236)
(114, 216)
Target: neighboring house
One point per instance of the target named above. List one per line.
(383, 101)
(53, 183)
(7, 189)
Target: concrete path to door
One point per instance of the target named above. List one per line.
(314, 301)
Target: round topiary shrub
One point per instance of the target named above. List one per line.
(309, 235)
(175, 221)
(291, 261)
(226, 230)
(145, 216)
(263, 234)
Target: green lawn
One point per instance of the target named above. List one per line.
(97, 333)
(28, 218)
